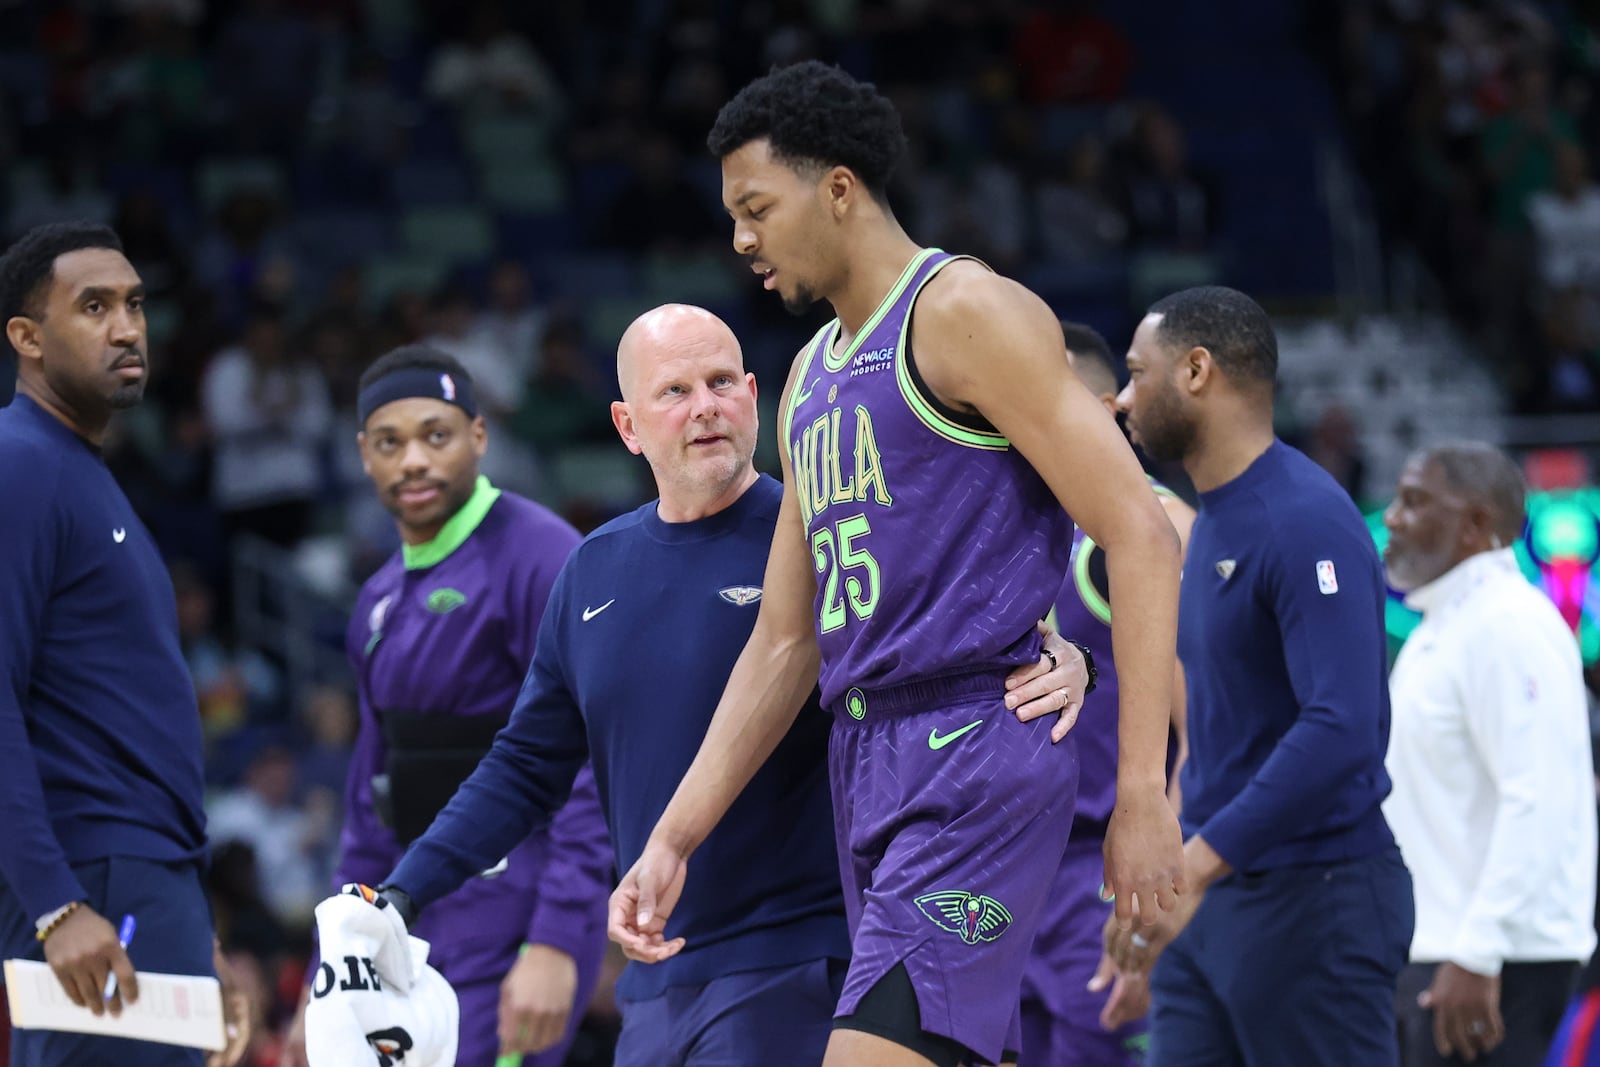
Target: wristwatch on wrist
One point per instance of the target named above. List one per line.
(1088, 662)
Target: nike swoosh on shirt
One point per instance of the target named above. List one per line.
(589, 613)
(801, 398)
(936, 742)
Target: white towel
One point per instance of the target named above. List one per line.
(374, 999)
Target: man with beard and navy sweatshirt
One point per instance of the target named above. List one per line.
(1288, 946)
(101, 783)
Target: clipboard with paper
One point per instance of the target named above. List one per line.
(172, 1009)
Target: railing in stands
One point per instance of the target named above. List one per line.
(279, 611)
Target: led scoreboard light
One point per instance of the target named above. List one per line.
(1559, 552)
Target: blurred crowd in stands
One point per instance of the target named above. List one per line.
(1477, 126)
(304, 184)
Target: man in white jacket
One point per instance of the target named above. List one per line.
(1494, 793)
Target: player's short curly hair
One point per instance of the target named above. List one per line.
(1232, 326)
(815, 116)
(1091, 356)
(29, 265)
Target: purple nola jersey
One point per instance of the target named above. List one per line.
(937, 546)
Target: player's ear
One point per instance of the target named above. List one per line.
(1483, 524)
(480, 435)
(361, 444)
(622, 419)
(23, 333)
(840, 188)
(1198, 368)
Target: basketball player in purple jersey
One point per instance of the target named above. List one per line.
(1066, 1022)
(927, 459)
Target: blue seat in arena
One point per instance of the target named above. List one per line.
(429, 181)
(522, 236)
(343, 236)
(170, 186)
(594, 187)
(450, 233)
(513, 139)
(396, 273)
(435, 135)
(592, 274)
(1059, 128)
(532, 188)
(220, 177)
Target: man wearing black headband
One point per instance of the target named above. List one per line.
(440, 639)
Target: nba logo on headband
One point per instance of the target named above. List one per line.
(448, 386)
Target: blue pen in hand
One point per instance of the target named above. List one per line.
(124, 938)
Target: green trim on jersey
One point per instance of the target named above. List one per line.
(835, 364)
(924, 411)
(454, 533)
(1098, 606)
(796, 397)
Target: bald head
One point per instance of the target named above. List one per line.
(668, 331)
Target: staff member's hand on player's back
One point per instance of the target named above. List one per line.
(1056, 685)
(643, 901)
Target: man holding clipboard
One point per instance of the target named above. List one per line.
(100, 747)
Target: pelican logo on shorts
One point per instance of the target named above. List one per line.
(972, 916)
(391, 1045)
(447, 387)
(740, 595)
(444, 601)
(855, 703)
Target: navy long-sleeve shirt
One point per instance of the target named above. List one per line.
(1280, 630)
(641, 632)
(100, 744)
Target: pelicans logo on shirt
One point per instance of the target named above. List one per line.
(741, 595)
(443, 601)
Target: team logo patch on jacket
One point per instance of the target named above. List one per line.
(443, 601)
(741, 595)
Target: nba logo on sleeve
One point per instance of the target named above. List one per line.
(1327, 580)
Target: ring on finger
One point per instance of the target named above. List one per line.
(1066, 696)
(1479, 1027)
(1140, 941)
